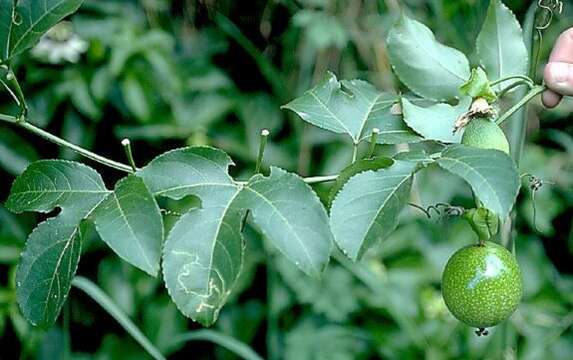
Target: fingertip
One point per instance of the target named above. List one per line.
(558, 77)
(550, 99)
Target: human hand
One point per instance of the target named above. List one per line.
(558, 72)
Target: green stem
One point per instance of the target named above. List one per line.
(508, 88)
(129, 153)
(354, 152)
(373, 138)
(536, 90)
(262, 144)
(93, 291)
(13, 81)
(229, 343)
(61, 142)
(512, 77)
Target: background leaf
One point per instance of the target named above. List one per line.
(500, 43)
(129, 221)
(435, 122)
(491, 174)
(15, 153)
(291, 216)
(35, 18)
(366, 209)
(428, 68)
(6, 8)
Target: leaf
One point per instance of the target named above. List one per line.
(203, 257)
(203, 253)
(15, 153)
(478, 86)
(356, 168)
(46, 269)
(491, 174)
(129, 221)
(366, 209)
(290, 215)
(52, 251)
(352, 107)
(35, 17)
(48, 184)
(6, 11)
(435, 122)
(428, 68)
(500, 44)
(189, 171)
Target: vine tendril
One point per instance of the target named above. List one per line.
(550, 8)
(441, 209)
(535, 184)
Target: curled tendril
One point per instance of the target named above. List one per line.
(551, 7)
(547, 9)
(442, 210)
(535, 184)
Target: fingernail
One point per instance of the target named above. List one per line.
(560, 72)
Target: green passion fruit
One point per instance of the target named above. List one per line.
(483, 133)
(481, 285)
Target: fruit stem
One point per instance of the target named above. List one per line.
(536, 90)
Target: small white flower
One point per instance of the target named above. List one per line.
(60, 44)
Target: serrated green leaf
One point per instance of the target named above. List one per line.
(34, 18)
(366, 209)
(188, 171)
(129, 221)
(491, 174)
(47, 184)
(52, 252)
(46, 269)
(416, 155)
(203, 253)
(478, 86)
(291, 216)
(500, 44)
(353, 108)
(435, 122)
(6, 10)
(203, 257)
(356, 168)
(428, 68)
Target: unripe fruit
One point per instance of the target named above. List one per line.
(485, 134)
(481, 284)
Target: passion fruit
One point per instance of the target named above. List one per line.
(483, 133)
(481, 285)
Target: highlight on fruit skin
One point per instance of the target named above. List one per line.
(481, 285)
(483, 133)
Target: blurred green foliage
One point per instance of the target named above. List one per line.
(166, 73)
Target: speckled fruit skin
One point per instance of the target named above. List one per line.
(485, 134)
(481, 284)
